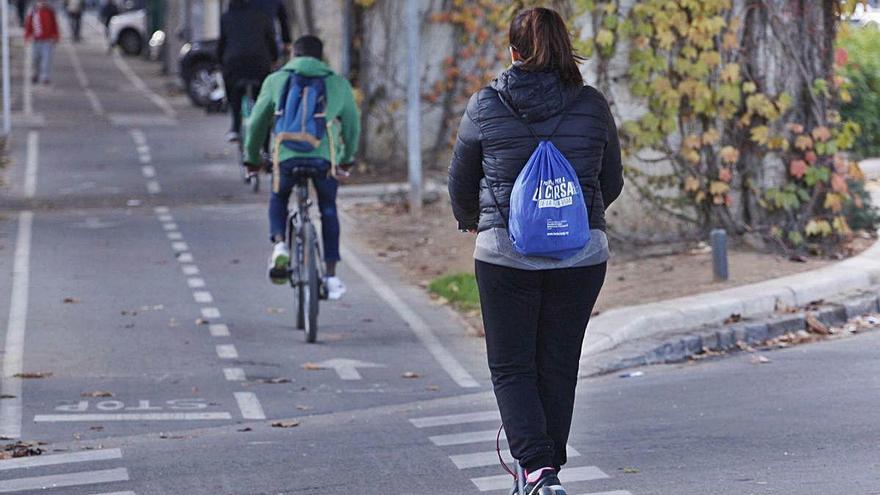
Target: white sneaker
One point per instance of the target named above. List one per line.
(233, 137)
(278, 263)
(335, 288)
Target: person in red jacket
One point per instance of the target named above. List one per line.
(41, 29)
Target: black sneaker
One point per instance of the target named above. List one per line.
(547, 485)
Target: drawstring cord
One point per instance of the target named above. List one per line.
(498, 451)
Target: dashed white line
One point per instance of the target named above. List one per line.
(169, 226)
(456, 419)
(13, 358)
(153, 187)
(418, 325)
(234, 374)
(190, 269)
(185, 258)
(161, 210)
(145, 158)
(97, 417)
(174, 236)
(203, 297)
(165, 217)
(218, 330)
(64, 480)
(227, 351)
(31, 163)
(195, 282)
(148, 171)
(179, 246)
(54, 459)
(210, 313)
(249, 405)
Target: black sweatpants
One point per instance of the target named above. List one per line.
(236, 91)
(535, 323)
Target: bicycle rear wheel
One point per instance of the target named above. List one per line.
(311, 284)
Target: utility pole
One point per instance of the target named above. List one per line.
(413, 108)
(345, 59)
(7, 99)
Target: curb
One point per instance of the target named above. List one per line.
(679, 348)
(617, 327)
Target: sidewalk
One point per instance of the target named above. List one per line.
(609, 330)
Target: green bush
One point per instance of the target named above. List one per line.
(863, 70)
(459, 289)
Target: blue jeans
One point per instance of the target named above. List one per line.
(325, 186)
(42, 57)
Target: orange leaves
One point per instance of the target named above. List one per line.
(839, 185)
(760, 134)
(821, 134)
(803, 142)
(797, 168)
(725, 175)
(691, 184)
(710, 137)
(729, 155)
(730, 73)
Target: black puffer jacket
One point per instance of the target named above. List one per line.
(493, 146)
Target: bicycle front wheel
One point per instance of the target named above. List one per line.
(311, 284)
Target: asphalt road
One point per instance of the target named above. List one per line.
(134, 273)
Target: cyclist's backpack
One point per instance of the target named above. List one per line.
(300, 114)
(548, 215)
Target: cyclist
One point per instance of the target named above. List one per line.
(246, 51)
(340, 106)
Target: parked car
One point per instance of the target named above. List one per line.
(865, 16)
(201, 74)
(128, 30)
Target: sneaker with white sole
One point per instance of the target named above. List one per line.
(279, 263)
(233, 137)
(335, 288)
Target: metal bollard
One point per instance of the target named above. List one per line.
(719, 254)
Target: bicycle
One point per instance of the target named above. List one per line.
(247, 106)
(306, 270)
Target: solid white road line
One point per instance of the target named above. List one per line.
(31, 163)
(203, 297)
(490, 458)
(190, 269)
(185, 258)
(227, 351)
(27, 86)
(64, 480)
(153, 187)
(249, 405)
(97, 417)
(54, 459)
(139, 83)
(218, 330)
(567, 475)
(210, 313)
(13, 357)
(97, 107)
(195, 282)
(456, 419)
(465, 438)
(84, 81)
(446, 360)
(234, 374)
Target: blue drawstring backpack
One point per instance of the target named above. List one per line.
(548, 214)
(300, 115)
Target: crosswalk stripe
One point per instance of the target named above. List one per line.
(53, 459)
(64, 480)
(490, 458)
(569, 475)
(467, 437)
(455, 419)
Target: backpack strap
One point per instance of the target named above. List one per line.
(527, 125)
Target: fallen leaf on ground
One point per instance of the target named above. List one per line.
(33, 374)
(302, 407)
(285, 424)
(71, 300)
(630, 470)
(97, 393)
(97, 428)
(201, 321)
(274, 380)
(275, 311)
(245, 429)
(432, 388)
(312, 367)
(816, 326)
(20, 449)
(410, 374)
(759, 359)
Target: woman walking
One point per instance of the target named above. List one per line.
(535, 309)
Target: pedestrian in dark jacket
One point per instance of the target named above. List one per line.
(109, 10)
(246, 51)
(535, 310)
(21, 10)
(276, 11)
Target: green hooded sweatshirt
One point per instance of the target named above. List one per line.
(340, 107)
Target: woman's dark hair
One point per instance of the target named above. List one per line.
(541, 38)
